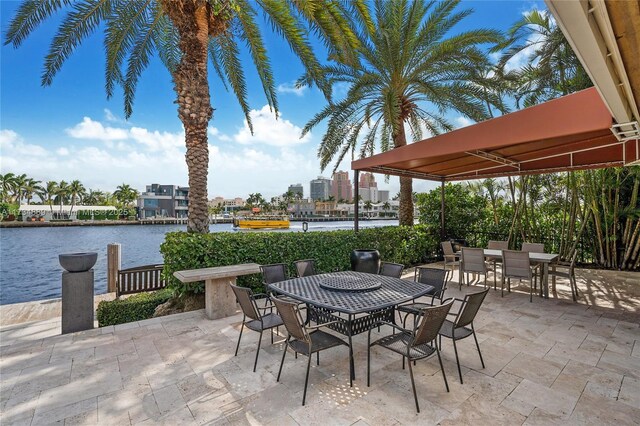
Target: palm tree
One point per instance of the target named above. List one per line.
(19, 183)
(62, 192)
(31, 187)
(126, 195)
(409, 70)
(553, 69)
(93, 198)
(386, 206)
(185, 34)
(48, 193)
(76, 192)
(367, 206)
(7, 185)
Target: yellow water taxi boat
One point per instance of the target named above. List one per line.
(261, 222)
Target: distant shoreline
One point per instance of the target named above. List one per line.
(16, 224)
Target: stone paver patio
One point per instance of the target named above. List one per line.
(547, 362)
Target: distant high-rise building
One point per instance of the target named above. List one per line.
(367, 180)
(369, 194)
(341, 186)
(383, 195)
(297, 188)
(320, 189)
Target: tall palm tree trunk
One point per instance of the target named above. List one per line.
(194, 102)
(405, 212)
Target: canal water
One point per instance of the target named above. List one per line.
(29, 268)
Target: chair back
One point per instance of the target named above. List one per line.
(470, 307)
(305, 267)
(293, 322)
(434, 277)
(447, 248)
(244, 296)
(516, 264)
(498, 245)
(389, 269)
(473, 260)
(533, 247)
(430, 323)
(273, 273)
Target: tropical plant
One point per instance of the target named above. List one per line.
(553, 69)
(76, 192)
(408, 71)
(48, 193)
(125, 195)
(368, 205)
(185, 34)
(7, 185)
(19, 184)
(62, 192)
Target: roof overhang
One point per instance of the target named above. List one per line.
(569, 133)
(605, 35)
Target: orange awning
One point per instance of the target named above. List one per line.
(568, 133)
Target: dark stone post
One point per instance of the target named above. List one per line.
(77, 291)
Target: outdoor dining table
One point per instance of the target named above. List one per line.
(364, 299)
(545, 259)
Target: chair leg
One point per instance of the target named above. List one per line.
(271, 333)
(284, 353)
(369, 358)
(444, 375)
(318, 358)
(239, 337)
(455, 349)
(413, 385)
(531, 291)
(509, 284)
(477, 345)
(255, 363)
(502, 286)
(306, 380)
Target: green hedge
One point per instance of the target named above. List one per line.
(134, 308)
(330, 249)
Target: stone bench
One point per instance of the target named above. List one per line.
(220, 301)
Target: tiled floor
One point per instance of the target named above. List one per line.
(547, 362)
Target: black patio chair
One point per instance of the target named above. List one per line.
(302, 338)
(273, 273)
(256, 321)
(435, 277)
(462, 326)
(305, 267)
(390, 269)
(414, 344)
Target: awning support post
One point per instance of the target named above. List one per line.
(356, 201)
(442, 234)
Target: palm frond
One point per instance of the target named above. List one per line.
(80, 23)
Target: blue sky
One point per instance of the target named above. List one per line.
(69, 130)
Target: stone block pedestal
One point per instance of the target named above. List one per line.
(77, 301)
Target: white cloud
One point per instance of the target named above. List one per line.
(269, 130)
(62, 151)
(463, 122)
(90, 129)
(157, 141)
(291, 88)
(109, 116)
(217, 134)
(11, 142)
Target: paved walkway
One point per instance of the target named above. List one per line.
(547, 362)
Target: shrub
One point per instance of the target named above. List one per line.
(331, 250)
(134, 308)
